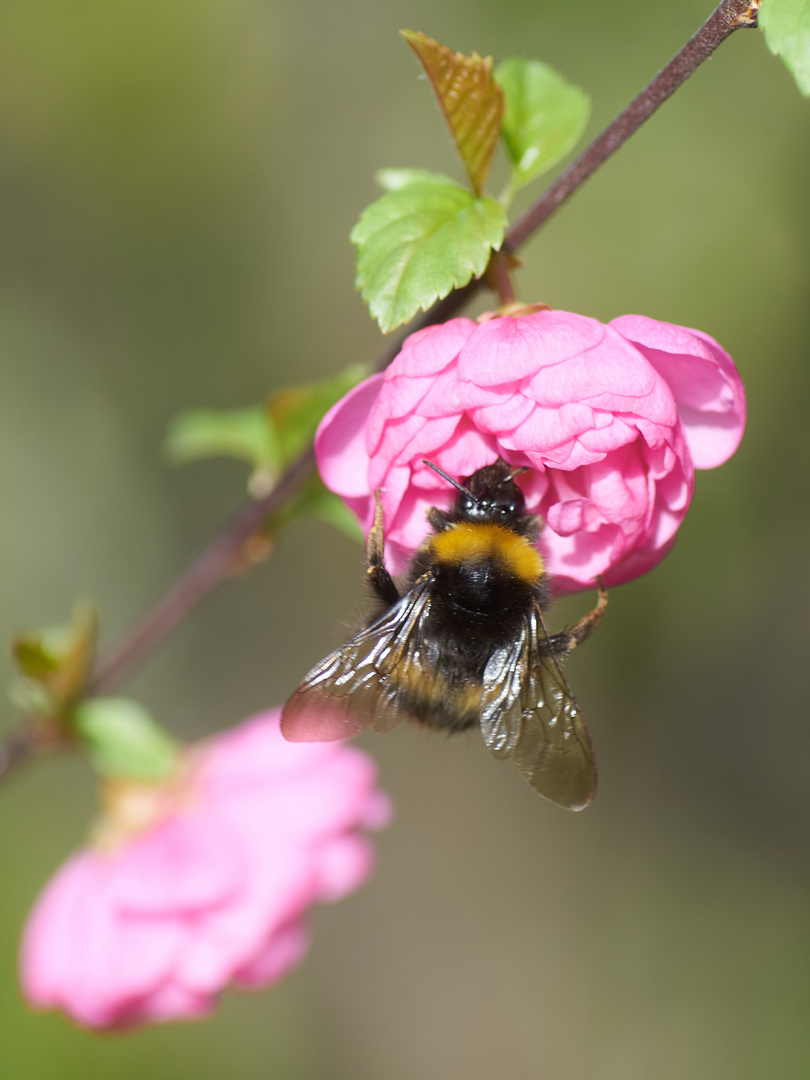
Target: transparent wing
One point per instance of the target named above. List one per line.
(353, 687)
(529, 714)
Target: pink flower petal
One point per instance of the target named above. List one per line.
(573, 516)
(378, 812)
(550, 428)
(256, 755)
(214, 893)
(467, 450)
(340, 442)
(281, 953)
(514, 348)
(500, 416)
(610, 374)
(345, 863)
(422, 440)
(703, 380)
(184, 865)
(170, 1002)
(48, 945)
(429, 351)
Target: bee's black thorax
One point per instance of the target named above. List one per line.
(481, 592)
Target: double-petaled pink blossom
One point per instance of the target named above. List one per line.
(611, 421)
(203, 882)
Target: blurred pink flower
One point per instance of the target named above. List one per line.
(203, 884)
(611, 419)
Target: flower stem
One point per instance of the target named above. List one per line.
(219, 559)
(498, 278)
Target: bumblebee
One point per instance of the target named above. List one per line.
(464, 644)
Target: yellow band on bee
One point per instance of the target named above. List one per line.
(466, 541)
(431, 688)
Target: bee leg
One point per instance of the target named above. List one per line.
(564, 643)
(380, 580)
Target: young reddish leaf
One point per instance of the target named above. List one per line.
(419, 242)
(471, 101)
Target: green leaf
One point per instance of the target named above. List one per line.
(122, 739)
(419, 242)
(333, 510)
(295, 412)
(243, 434)
(472, 102)
(314, 499)
(544, 119)
(786, 25)
(395, 179)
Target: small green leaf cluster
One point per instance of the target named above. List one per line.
(54, 666)
(428, 235)
(118, 736)
(268, 437)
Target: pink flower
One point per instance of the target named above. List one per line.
(214, 887)
(612, 421)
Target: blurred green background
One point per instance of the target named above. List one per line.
(177, 184)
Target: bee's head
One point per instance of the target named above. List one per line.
(489, 495)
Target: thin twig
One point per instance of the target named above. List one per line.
(218, 560)
(14, 750)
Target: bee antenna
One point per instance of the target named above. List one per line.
(517, 472)
(450, 480)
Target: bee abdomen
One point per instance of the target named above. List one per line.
(438, 701)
